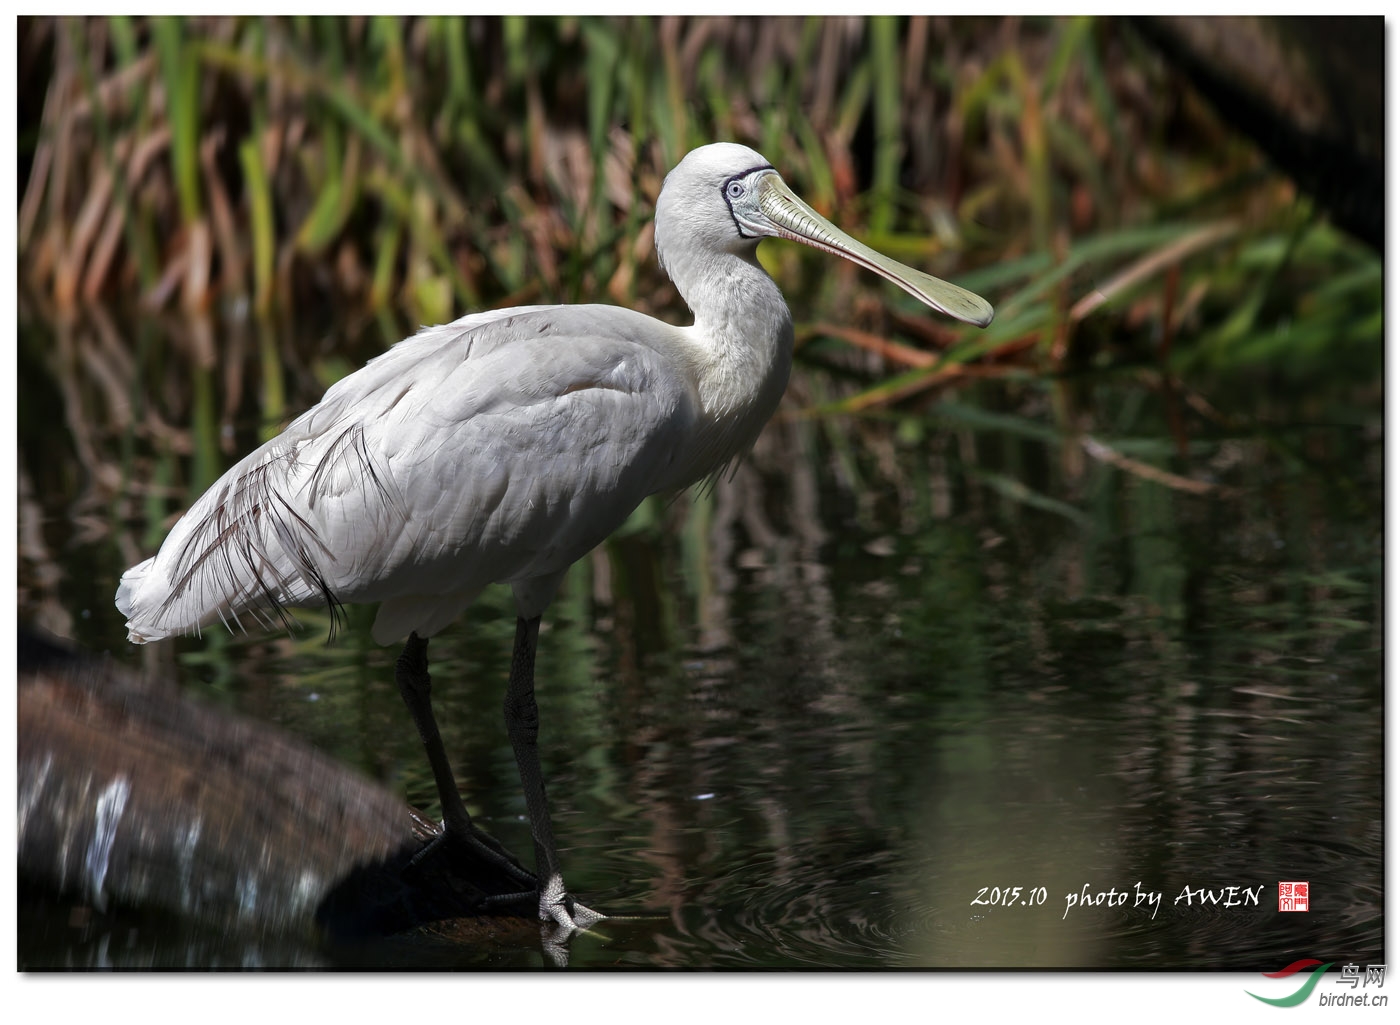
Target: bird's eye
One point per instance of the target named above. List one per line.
(736, 190)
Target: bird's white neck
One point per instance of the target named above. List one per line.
(742, 328)
(741, 345)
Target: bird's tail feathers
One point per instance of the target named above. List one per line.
(130, 603)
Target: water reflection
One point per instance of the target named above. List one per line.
(808, 717)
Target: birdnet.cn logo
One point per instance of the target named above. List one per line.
(1351, 987)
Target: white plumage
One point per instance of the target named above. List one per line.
(501, 447)
(504, 446)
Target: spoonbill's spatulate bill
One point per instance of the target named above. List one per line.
(503, 447)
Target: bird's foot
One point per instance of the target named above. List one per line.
(567, 915)
(481, 846)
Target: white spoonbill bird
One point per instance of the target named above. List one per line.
(501, 448)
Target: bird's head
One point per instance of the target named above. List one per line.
(725, 198)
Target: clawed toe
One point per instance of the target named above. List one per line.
(567, 914)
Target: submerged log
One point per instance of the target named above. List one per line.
(132, 793)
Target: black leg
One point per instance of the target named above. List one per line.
(415, 685)
(523, 726)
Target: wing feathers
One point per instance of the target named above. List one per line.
(497, 449)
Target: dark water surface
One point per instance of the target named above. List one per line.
(809, 718)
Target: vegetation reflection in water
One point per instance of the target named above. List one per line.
(807, 717)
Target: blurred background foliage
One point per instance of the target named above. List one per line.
(424, 167)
